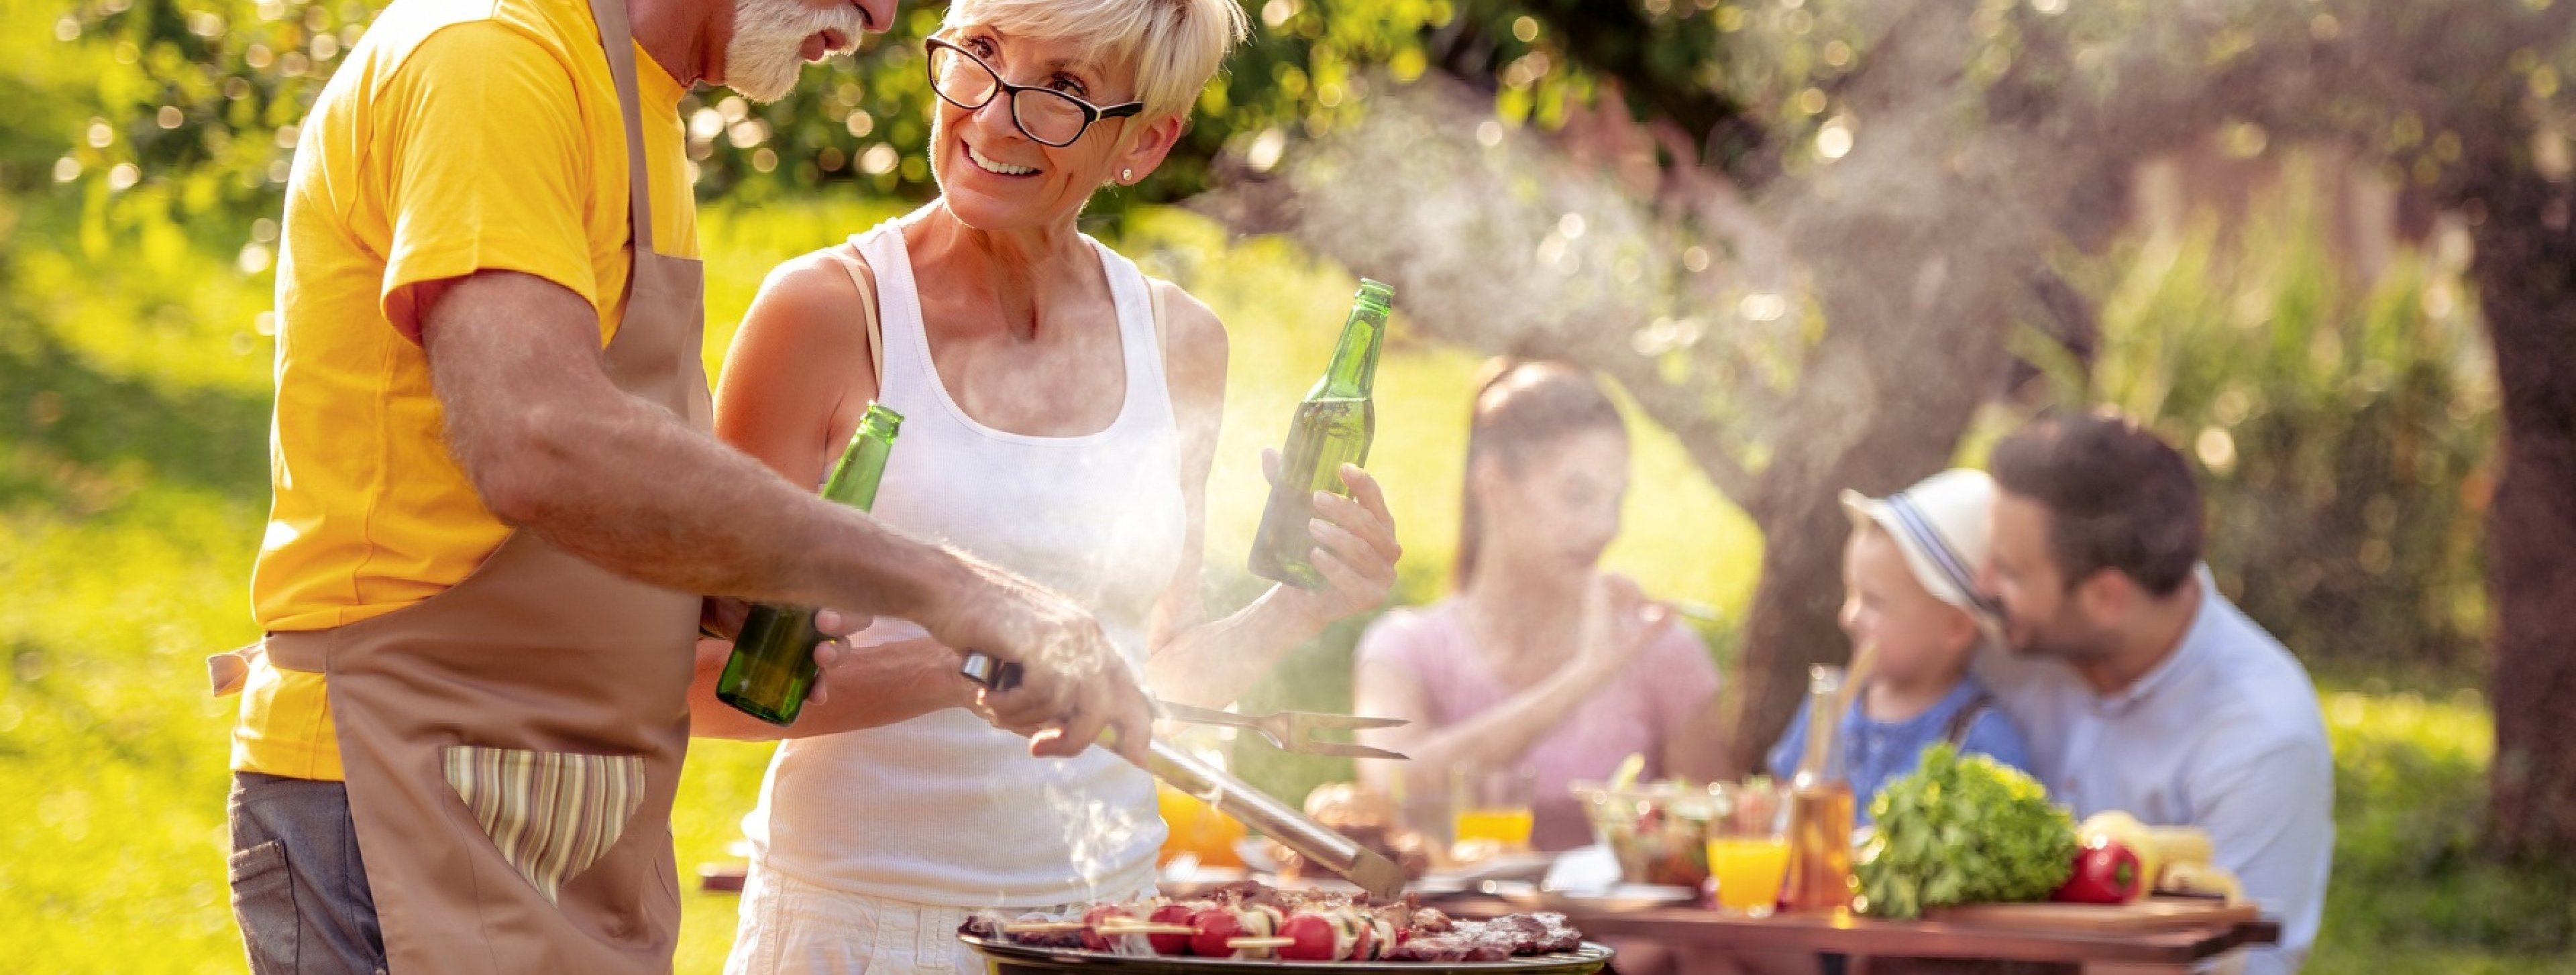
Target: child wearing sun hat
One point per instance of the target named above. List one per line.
(1910, 597)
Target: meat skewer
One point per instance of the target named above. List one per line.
(1220, 927)
(1253, 921)
(1345, 933)
(1175, 938)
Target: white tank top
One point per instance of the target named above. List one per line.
(945, 809)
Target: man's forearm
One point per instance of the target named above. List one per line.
(638, 493)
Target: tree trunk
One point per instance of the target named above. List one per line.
(1905, 430)
(1790, 627)
(2526, 273)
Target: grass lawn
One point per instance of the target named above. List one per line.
(133, 421)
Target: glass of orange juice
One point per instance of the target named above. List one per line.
(1196, 829)
(1492, 804)
(1748, 846)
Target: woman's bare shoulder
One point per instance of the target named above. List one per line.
(818, 282)
(804, 332)
(809, 308)
(1194, 340)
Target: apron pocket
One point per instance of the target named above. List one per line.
(551, 814)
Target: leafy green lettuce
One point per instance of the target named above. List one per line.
(1963, 831)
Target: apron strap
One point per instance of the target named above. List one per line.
(618, 40)
(229, 671)
(654, 354)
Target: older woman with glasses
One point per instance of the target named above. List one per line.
(1061, 413)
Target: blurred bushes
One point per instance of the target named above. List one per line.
(2411, 891)
(2343, 426)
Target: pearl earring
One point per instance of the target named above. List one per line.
(1127, 176)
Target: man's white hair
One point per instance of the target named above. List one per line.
(1175, 46)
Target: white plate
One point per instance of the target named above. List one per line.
(1614, 899)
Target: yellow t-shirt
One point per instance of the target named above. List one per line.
(460, 135)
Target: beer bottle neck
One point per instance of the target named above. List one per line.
(1354, 368)
(854, 477)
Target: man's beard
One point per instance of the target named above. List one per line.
(767, 51)
(2064, 639)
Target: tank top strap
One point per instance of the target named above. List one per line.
(1149, 397)
(906, 356)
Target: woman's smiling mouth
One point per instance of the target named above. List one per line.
(993, 166)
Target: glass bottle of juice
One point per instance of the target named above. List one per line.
(1820, 807)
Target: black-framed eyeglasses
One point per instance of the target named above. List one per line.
(1050, 117)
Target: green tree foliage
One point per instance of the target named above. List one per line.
(198, 99)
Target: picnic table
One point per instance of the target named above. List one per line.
(1899, 946)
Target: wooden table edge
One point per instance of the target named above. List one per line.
(1924, 939)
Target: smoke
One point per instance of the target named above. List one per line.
(1858, 302)
(1709, 308)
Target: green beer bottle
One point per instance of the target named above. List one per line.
(1332, 427)
(773, 661)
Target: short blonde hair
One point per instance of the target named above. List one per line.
(1175, 45)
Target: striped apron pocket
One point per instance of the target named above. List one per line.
(551, 814)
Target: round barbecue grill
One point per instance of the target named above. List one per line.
(1005, 958)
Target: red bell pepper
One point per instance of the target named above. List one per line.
(2106, 872)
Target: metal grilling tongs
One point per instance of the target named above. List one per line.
(1366, 868)
(1290, 731)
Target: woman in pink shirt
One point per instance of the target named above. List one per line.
(1539, 660)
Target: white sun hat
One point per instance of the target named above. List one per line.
(1940, 525)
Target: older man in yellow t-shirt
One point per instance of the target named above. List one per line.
(456, 258)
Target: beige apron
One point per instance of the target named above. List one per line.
(512, 744)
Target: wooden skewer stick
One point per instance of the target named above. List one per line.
(1111, 928)
(1241, 943)
(1042, 927)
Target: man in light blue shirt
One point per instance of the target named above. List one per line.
(2137, 685)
